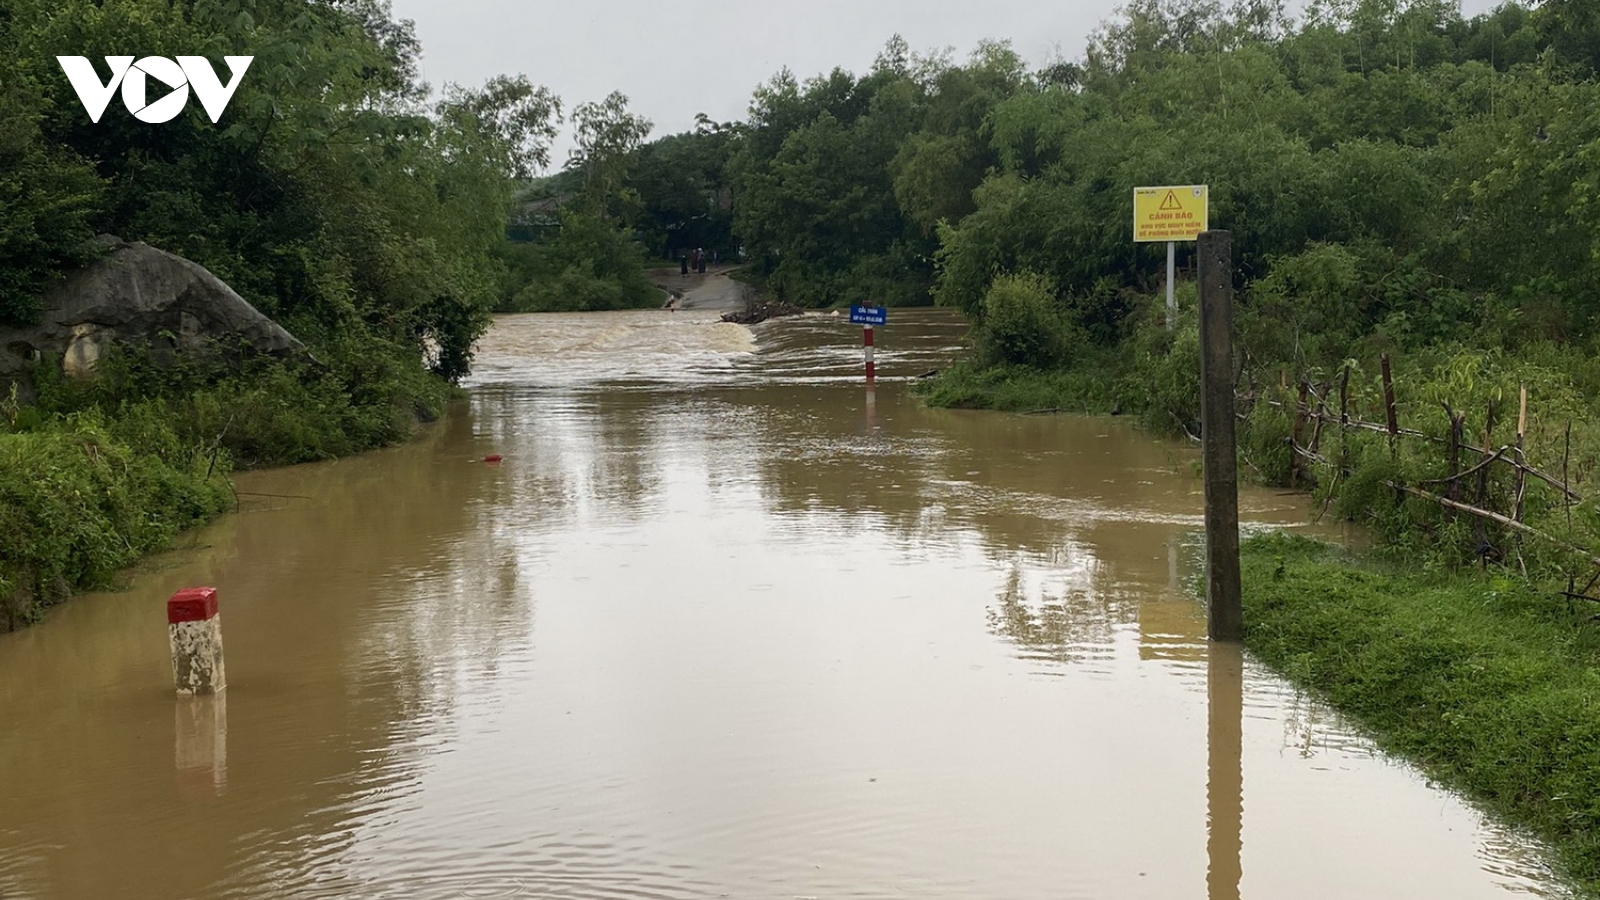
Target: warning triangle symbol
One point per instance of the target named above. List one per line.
(1171, 204)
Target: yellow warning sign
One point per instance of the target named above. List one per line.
(1171, 213)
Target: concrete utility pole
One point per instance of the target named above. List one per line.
(1225, 617)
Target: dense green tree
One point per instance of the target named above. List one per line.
(48, 195)
(684, 196)
(606, 135)
(329, 194)
(842, 181)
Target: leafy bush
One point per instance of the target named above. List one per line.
(46, 197)
(1023, 325)
(78, 501)
(1163, 376)
(362, 395)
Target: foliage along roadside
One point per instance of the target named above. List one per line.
(1483, 683)
(1399, 181)
(82, 496)
(1154, 376)
(98, 473)
(573, 242)
(335, 195)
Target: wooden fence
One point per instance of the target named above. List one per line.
(1464, 490)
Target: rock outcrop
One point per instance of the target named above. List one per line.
(142, 297)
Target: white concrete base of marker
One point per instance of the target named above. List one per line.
(197, 656)
(195, 628)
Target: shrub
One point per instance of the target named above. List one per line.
(78, 502)
(1023, 325)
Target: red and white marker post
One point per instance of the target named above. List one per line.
(866, 346)
(195, 627)
(868, 316)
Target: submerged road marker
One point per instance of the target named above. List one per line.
(195, 629)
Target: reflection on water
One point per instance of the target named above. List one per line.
(1224, 770)
(200, 742)
(723, 623)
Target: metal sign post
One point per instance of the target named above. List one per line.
(1171, 214)
(1172, 296)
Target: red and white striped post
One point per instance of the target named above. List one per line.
(195, 627)
(866, 345)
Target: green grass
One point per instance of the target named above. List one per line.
(1491, 687)
(81, 497)
(1020, 389)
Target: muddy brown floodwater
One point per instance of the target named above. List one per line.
(721, 624)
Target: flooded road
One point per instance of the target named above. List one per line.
(720, 625)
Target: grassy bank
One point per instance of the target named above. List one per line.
(1450, 642)
(97, 474)
(1029, 356)
(1022, 389)
(83, 496)
(1490, 687)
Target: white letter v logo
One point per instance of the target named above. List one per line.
(213, 94)
(91, 93)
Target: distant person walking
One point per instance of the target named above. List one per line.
(683, 263)
(700, 260)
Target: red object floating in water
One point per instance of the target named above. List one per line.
(492, 458)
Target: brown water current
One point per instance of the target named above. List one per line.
(721, 624)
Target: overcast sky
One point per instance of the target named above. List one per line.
(673, 60)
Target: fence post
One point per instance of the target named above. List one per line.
(1295, 435)
(1225, 616)
(1388, 401)
(1522, 458)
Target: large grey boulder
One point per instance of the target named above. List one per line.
(143, 298)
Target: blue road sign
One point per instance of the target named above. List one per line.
(869, 315)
